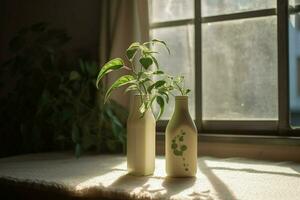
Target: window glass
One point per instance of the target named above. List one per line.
(220, 7)
(294, 64)
(239, 70)
(180, 40)
(167, 10)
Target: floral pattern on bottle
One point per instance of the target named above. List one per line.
(178, 148)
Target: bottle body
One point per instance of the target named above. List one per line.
(140, 140)
(181, 141)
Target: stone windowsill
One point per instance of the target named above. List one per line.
(105, 176)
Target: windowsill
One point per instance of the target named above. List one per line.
(254, 147)
(62, 176)
(244, 139)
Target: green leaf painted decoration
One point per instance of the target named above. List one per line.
(181, 138)
(174, 146)
(177, 153)
(183, 148)
(177, 141)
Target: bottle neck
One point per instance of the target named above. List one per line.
(136, 103)
(181, 103)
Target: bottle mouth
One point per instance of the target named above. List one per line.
(181, 97)
(138, 96)
(144, 95)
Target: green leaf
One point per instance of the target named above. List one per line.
(145, 51)
(117, 127)
(160, 42)
(156, 85)
(131, 88)
(158, 72)
(74, 76)
(159, 83)
(144, 80)
(111, 65)
(91, 68)
(165, 95)
(132, 49)
(123, 80)
(146, 62)
(187, 91)
(155, 61)
(163, 43)
(160, 101)
(143, 109)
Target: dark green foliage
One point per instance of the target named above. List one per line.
(51, 104)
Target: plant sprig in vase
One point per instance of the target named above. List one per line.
(140, 75)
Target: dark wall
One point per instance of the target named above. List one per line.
(80, 18)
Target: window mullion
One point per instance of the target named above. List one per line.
(171, 23)
(241, 15)
(198, 64)
(283, 75)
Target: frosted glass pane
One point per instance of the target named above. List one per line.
(239, 66)
(294, 66)
(181, 41)
(168, 10)
(294, 2)
(220, 7)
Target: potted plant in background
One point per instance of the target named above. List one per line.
(147, 89)
(181, 135)
(48, 99)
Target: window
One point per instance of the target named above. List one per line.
(228, 51)
(171, 22)
(294, 63)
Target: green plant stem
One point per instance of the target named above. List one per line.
(179, 88)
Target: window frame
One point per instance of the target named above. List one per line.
(280, 127)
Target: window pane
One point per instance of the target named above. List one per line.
(294, 2)
(167, 10)
(294, 64)
(181, 41)
(239, 67)
(220, 7)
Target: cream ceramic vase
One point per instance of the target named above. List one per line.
(140, 140)
(181, 141)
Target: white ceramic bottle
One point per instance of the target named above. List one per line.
(181, 141)
(140, 140)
